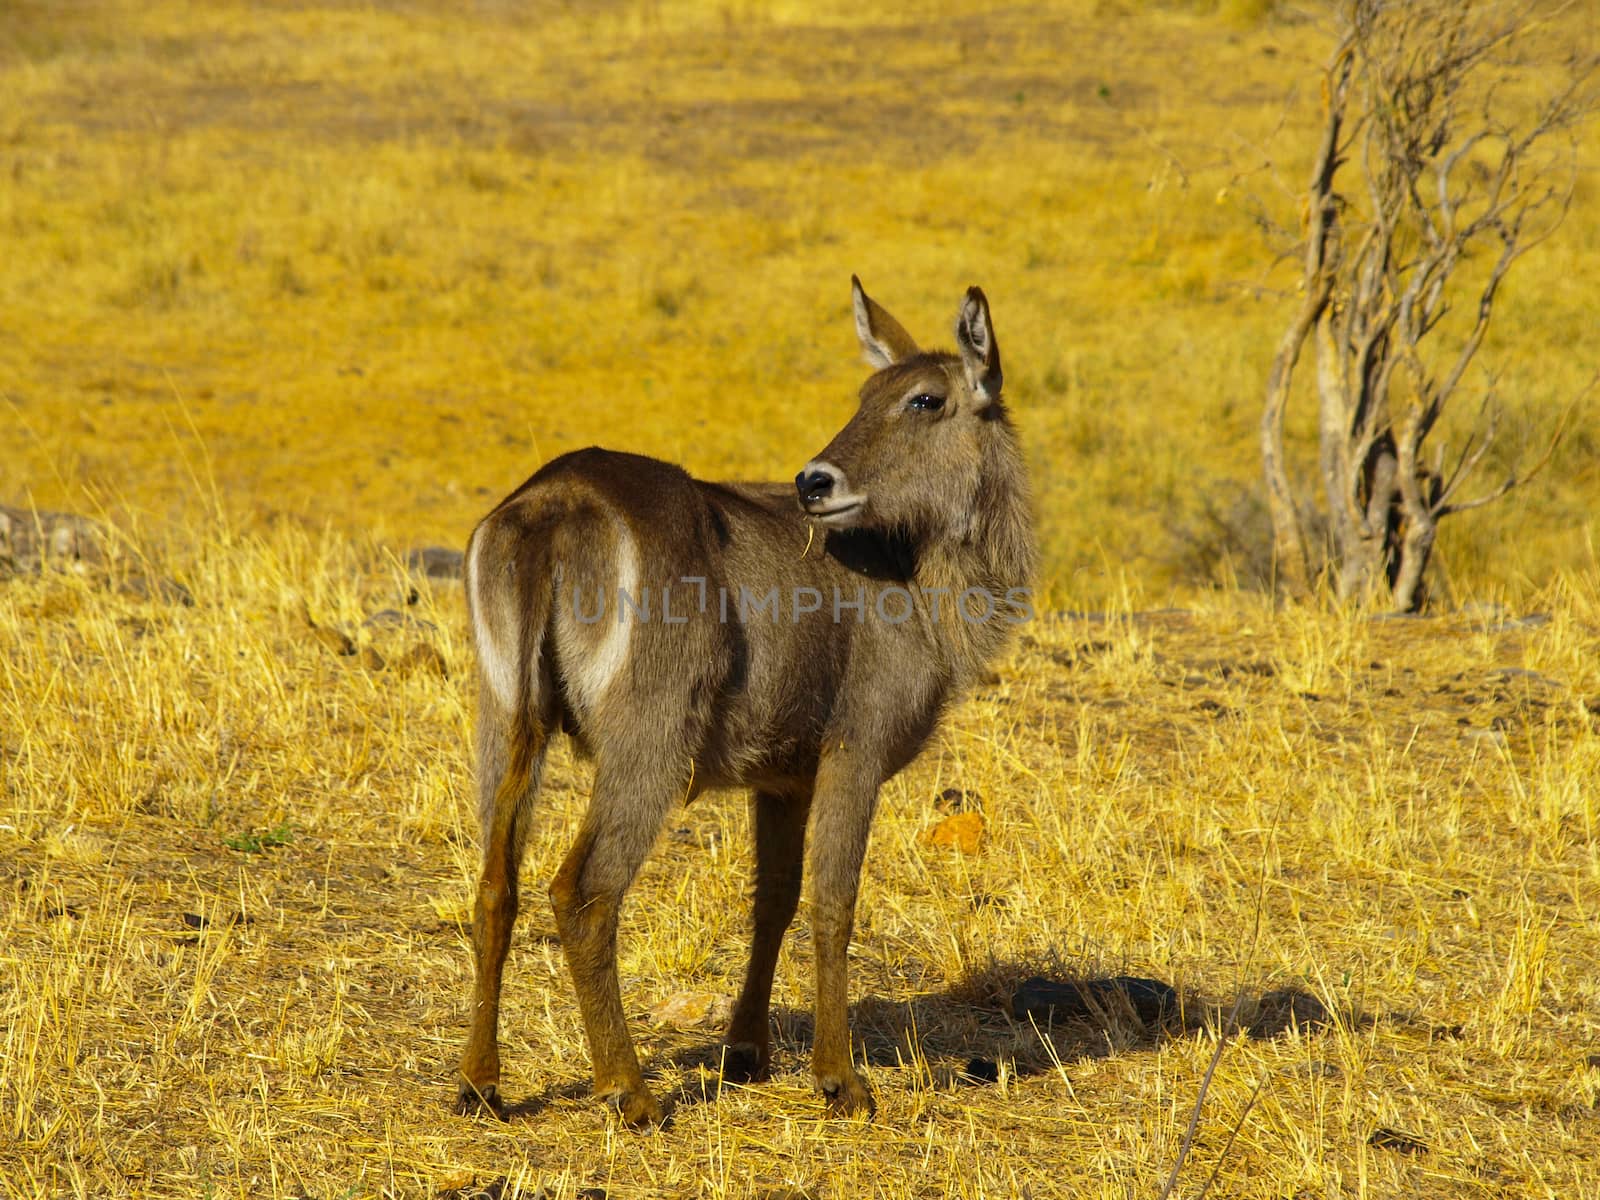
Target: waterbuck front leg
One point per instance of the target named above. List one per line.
(845, 797)
(624, 817)
(780, 834)
(507, 778)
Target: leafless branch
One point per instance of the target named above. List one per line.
(1513, 480)
(1479, 439)
(1216, 1167)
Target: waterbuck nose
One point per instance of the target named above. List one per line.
(815, 483)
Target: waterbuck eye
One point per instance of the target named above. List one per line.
(926, 402)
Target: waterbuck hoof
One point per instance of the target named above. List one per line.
(846, 1095)
(474, 1100)
(745, 1062)
(638, 1109)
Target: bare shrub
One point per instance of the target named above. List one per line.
(1447, 151)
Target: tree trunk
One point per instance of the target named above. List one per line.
(1288, 541)
(1416, 548)
(1289, 551)
(1371, 558)
(1334, 405)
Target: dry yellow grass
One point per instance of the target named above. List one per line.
(288, 288)
(1411, 805)
(386, 259)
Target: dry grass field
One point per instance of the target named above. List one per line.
(287, 289)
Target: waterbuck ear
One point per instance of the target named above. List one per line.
(980, 353)
(882, 337)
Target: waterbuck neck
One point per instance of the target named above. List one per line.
(994, 552)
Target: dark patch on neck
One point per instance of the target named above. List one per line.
(873, 553)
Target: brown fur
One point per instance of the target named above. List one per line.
(811, 713)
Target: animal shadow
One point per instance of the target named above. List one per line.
(1010, 1021)
(1019, 1023)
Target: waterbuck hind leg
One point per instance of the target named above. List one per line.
(780, 832)
(843, 818)
(625, 814)
(508, 777)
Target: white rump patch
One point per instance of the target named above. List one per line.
(590, 671)
(495, 633)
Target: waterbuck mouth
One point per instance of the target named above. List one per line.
(839, 514)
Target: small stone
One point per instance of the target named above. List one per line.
(436, 562)
(1512, 624)
(689, 1010)
(31, 539)
(1524, 674)
(1286, 1009)
(65, 541)
(962, 831)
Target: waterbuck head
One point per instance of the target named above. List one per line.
(913, 458)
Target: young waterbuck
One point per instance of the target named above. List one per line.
(695, 635)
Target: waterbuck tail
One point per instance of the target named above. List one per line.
(510, 593)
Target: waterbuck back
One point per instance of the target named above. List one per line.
(797, 640)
